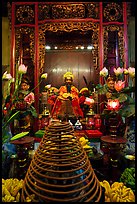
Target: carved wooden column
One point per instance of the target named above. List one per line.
(115, 34)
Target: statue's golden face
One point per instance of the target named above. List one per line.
(111, 84)
(68, 80)
(24, 86)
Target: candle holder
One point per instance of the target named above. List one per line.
(90, 114)
(98, 121)
(90, 119)
(113, 140)
(23, 146)
(45, 118)
(113, 106)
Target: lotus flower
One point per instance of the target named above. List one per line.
(119, 85)
(48, 86)
(6, 76)
(118, 71)
(22, 69)
(29, 98)
(131, 71)
(104, 72)
(113, 104)
(44, 76)
(89, 101)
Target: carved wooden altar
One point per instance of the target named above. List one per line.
(30, 21)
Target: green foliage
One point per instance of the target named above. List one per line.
(127, 103)
(19, 136)
(128, 177)
(14, 116)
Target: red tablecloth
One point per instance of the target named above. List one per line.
(93, 133)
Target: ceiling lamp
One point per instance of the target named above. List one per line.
(47, 47)
(82, 47)
(90, 47)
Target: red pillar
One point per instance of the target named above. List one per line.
(12, 56)
(101, 53)
(36, 69)
(125, 39)
(125, 35)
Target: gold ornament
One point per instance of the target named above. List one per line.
(68, 75)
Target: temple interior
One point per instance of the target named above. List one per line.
(68, 101)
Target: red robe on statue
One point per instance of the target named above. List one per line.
(67, 104)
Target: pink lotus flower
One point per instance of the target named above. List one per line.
(29, 98)
(104, 72)
(113, 104)
(131, 71)
(22, 69)
(6, 76)
(89, 101)
(119, 85)
(118, 71)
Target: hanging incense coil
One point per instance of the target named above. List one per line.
(60, 170)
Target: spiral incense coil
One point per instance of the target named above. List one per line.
(60, 170)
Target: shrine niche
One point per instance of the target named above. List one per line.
(69, 27)
(30, 21)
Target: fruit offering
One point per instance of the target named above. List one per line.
(117, 192)
(85, 143)
(10, 190)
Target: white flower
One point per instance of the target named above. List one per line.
(118, 71)
(48, 86)
(6, 76)
(89, 101)
(104, 72)
(44, 76)
(131, 71)
(22, 69)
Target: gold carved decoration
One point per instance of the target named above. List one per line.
(68, 27)
(68, 11)
(18, 40)
(93, 10)
(43, 12)
(120, 30)
(112, 11)
(25, 14)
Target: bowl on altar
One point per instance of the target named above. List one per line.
(130, 160)
(130, 157)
